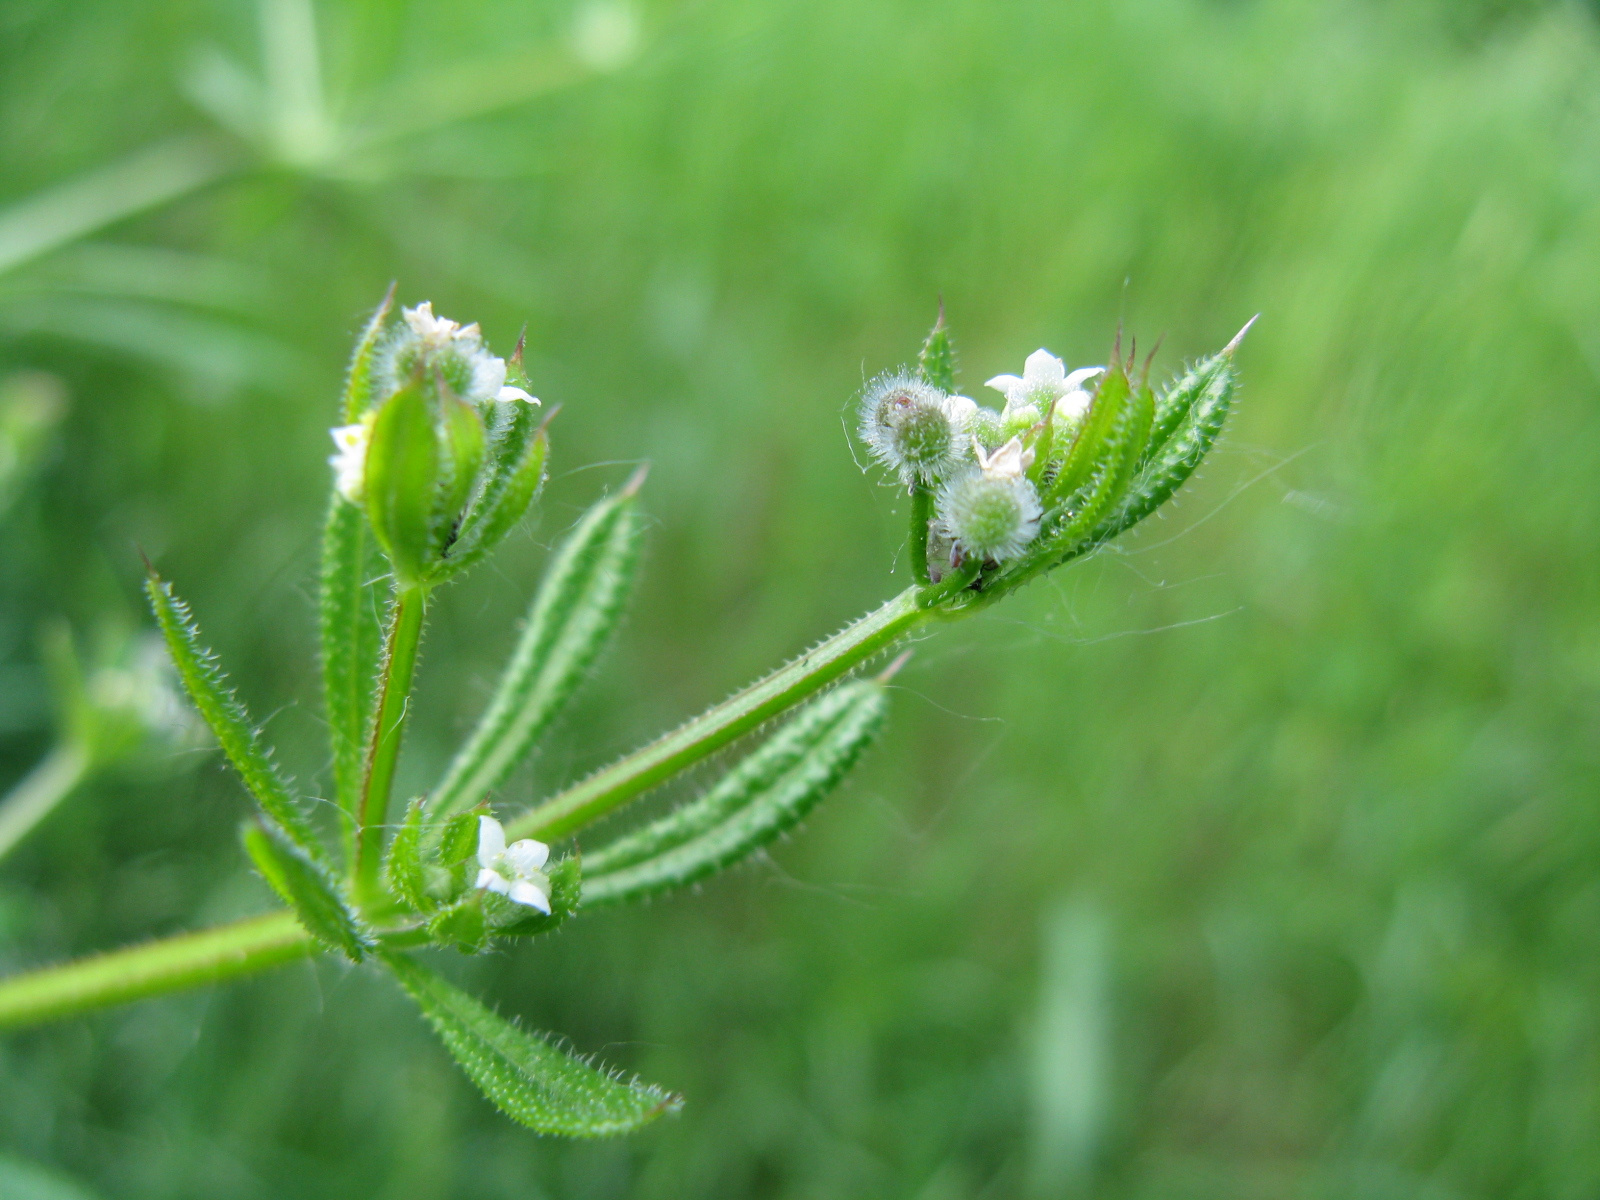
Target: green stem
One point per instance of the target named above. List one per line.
(921, 515)
(388, 729)
(645, 768)
(169, 965)
(41, 789)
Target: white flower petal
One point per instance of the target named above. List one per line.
(509, 394)
(1009, 385)
(958, 410)
(527, 855)
(1073, 405)
(491, 841)
(495, 882)
(1081, 376)
(1044, 370)
(530, 894)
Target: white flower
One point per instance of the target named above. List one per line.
(436, 333)
(515, 870)
(350, 463)
(1010, 461)
(457, 350)
(1045, 378)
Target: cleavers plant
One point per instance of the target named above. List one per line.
(440, 452)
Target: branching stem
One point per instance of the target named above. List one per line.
(212, 955)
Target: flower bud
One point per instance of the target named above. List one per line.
(908, 426)
(992, 512)
(447, 450)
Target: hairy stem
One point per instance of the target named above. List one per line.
(642, 770)
(40, 790)
(921, 515)
(170, 965)
(388, 729)
(194, 959)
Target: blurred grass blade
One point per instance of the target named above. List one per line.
(305, 888)
(68, 211)
(204, 681)
(525, 1077)
(768, 793)
(348, 618)
(575, 610)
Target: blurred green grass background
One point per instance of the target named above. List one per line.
(1258, 857)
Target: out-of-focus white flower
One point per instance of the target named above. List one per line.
(430, 342)
(1045, 378)
(350, 461)
(515, 871)
(959, 410)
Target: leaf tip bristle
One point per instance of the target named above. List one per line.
(894, 668)
(636, 480)
(1239, 337)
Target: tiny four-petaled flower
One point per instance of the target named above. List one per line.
(515, 871)
(1045, 378)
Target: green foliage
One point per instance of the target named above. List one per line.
(348, 616)
(240, 740)
(401, 485)
(1190, 417)
(529, 1080)
(350, 637)
(307, 889)
(1314, 747)
(769, 792)
(937, 361)
(573, 614)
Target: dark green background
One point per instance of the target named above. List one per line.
(1256, 857)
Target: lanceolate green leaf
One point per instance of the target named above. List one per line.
(1086, 453)
(1212, 385)
(765, 795)
(531, 1081)
(203, 679)
(307, 889)
(576, 608)
(351, 635)
(402, 470)
(348, 619)
(937, 362)
(517, 452)
(758, 773)
(359, 379)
